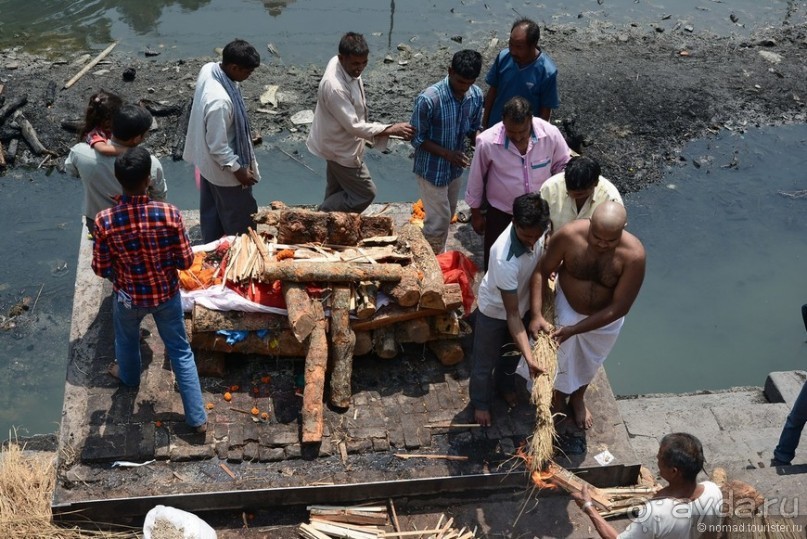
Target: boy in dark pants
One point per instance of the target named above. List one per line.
(139, 246)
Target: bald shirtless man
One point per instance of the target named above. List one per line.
(600, 268)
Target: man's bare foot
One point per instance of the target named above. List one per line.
(582, 417)
(114, 371)
(482, 417)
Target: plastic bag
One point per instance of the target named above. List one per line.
(458, 268)
(192, 526)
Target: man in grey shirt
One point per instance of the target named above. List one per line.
(130, 126)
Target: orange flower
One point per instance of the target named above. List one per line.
(158, 424)
(227, 396)
(284, 254)
(234, 388)
(418, 212)
(256, 391)
(266, 379)
(255, 410)
(264, 416)
(210, 405)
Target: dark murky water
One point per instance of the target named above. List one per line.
(720, 305)
(307, 31)
(727, 251)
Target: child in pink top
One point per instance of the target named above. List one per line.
(97, 128)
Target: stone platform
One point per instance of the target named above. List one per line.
(397, 408)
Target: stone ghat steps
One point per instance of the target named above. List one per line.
(739, 428)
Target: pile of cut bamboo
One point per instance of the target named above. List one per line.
(371, 522)
(246, 258)
(609, 502)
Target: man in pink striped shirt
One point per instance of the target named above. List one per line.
(514, 157)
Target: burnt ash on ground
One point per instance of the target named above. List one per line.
(630, 97)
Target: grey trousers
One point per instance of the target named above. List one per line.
(347, 188)
(225, 211)
(440, 204)
(493, 361)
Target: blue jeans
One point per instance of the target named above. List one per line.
(171, 326)
(789, 439)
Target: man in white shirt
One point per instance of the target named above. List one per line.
(684, 509)
(219, 143)
(503, 301)
(340, 129)
(577, 191)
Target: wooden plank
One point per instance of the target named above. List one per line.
(431, 284)
(392, 314)
(304, 272)
(572, 483)
(103, 54)
(343, 342)
(300, 307)
(430, 456)
(205, 319)
(316, 362)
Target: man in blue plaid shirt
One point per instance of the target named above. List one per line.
(445, 115)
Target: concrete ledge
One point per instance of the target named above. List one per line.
(784, 386)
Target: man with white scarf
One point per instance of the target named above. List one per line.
(600, 268)
(219, 143)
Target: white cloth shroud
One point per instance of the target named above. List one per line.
(580, 356)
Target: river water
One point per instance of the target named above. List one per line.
(726, 249)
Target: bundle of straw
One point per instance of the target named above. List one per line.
(545, 353)
(26, 489)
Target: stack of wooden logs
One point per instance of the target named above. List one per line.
(351, 257)
(370, 522)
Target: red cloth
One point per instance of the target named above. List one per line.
(269, 294)
(458, 268)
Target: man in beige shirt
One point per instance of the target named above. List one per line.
(577, 191)
(340, 129)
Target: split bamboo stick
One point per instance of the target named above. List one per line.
(103, 54)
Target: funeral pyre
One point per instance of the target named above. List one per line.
(326, 286)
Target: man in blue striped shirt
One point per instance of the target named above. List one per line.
(445, 115)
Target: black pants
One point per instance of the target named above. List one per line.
(495, 222)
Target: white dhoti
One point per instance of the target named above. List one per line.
(580, 356)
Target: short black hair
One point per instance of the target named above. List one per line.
(531, 211)
(132, 167)
(467, 63)
(531, 27)
(517, 109)
(130, 121)
(353, 44)
(582, 172)
(241, 53)
(683, 451)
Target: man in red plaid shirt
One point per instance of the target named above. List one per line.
(140, 244)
